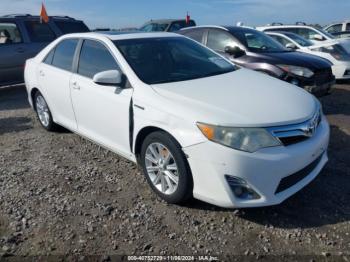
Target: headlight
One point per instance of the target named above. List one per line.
(246, 139)
(297, 70)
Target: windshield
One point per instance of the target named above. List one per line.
(259, 42)
(171, 59)
(154, 27)
(300, 40)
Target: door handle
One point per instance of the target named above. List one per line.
(75, 86)
(41, 73)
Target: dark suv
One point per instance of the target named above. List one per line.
(166, 25)
(23, 36)
(253, 49)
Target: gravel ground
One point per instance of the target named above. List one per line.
(63, 195)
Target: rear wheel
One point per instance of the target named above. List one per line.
(166, 168)
(43, 112)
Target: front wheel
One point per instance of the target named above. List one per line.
(166, 168)
(43, 112)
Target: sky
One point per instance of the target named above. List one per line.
(133, 13)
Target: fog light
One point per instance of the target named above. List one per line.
(240, 188)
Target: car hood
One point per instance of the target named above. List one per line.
(242, 98)
(294, 58)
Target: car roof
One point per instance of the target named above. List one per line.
(36, 17)
(226, 28)
(281, 33)
(285, 26)
(123, 35)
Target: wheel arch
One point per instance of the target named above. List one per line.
(33, 91)
(143, 133)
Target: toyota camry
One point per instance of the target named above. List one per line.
(197, 125)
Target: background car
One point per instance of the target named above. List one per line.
(23, 36)
(343, 34)
(166, 25)
(337, 29)
(335, 53)
(315, 35)
(255, 50)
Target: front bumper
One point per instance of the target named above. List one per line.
(321, 89)
(262, 170)
(341, 70)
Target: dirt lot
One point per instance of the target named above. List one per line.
(60, 194)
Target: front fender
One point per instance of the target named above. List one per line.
(185, 132)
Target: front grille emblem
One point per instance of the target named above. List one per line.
(295, 133)
(311, 126)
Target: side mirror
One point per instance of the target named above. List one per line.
(110, 78)
(317, 37)
(234, 51)
(291, 46)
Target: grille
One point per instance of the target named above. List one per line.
(323, 76)
(292, 134)
(287, 141)
(291, 180)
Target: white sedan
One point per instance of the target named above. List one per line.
(197, 125)
(332, 51)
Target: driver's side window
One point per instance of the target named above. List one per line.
(218, 40)
(95, 58)
(307, 33)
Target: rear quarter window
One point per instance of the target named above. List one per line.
(39, 32)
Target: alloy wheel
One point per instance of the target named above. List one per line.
(162, 168)
(43, 111)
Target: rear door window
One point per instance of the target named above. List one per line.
(95, 58)
(9, 34)
(39, 32)
(218, 40)
(64, 54)
(196, 34)
(67, 27)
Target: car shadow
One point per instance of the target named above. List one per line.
(337, 102)
(325, 201)
(12, 98)
(14, 124)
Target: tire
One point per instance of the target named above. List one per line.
(160, 172)
(43, 112)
